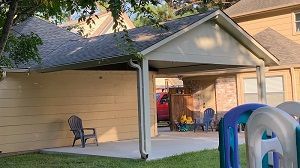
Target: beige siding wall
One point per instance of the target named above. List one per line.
(34, 108)
(280, 21)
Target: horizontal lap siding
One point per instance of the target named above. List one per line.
(282, 22)
(34, 108)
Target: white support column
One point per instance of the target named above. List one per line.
(294, 84)
(261, 83)
(146, 94)
(141, 114)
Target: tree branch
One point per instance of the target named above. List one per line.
(28, 11)
(7, 24)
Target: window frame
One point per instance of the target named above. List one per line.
(294, 21)
(271, 76)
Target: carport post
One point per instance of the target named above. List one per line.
(143, 107)
(261, 83)
(147, 127)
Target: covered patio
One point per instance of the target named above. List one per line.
(211, 44)
(200, 43)
(166, 144)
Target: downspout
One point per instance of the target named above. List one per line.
(141, 110)
(294, 85)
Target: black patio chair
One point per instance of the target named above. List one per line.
(75, 124)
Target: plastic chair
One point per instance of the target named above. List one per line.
(206, 121)
(75, 124)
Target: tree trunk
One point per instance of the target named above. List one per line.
(8, 24)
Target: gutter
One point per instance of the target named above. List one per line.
(3, 71)
(265, 10)
(84, 64)
(15, 70)
(141, 109)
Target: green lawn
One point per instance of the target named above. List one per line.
(203, 159)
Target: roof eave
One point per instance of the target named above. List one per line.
(265, 10)
(173, 36)
(86, 64)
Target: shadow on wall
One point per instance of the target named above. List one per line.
(34, 108)
(218, 43)
(203, 92)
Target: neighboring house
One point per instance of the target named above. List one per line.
(90, 77)
(103, 25)
(275, 24)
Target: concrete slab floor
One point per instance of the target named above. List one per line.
(166, 144)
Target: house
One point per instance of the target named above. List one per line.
(103, 24)
(97, 80)
(275, 25)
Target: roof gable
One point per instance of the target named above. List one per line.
(208, 43)
(103, 24)
(232, 28)
(245, 7)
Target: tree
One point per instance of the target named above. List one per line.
(171, 9)
(160, 13)
(17, 49)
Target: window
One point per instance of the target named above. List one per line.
(250, 90)
(274, 88)
(297, 21)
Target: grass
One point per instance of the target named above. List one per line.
(203, 159)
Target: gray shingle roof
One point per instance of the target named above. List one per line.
(286, 50)
(52, 35)
(105, 46)
(251, 6)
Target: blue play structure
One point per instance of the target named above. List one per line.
(228, 133)
(260, 118)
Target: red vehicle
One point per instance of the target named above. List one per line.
(162, 105)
